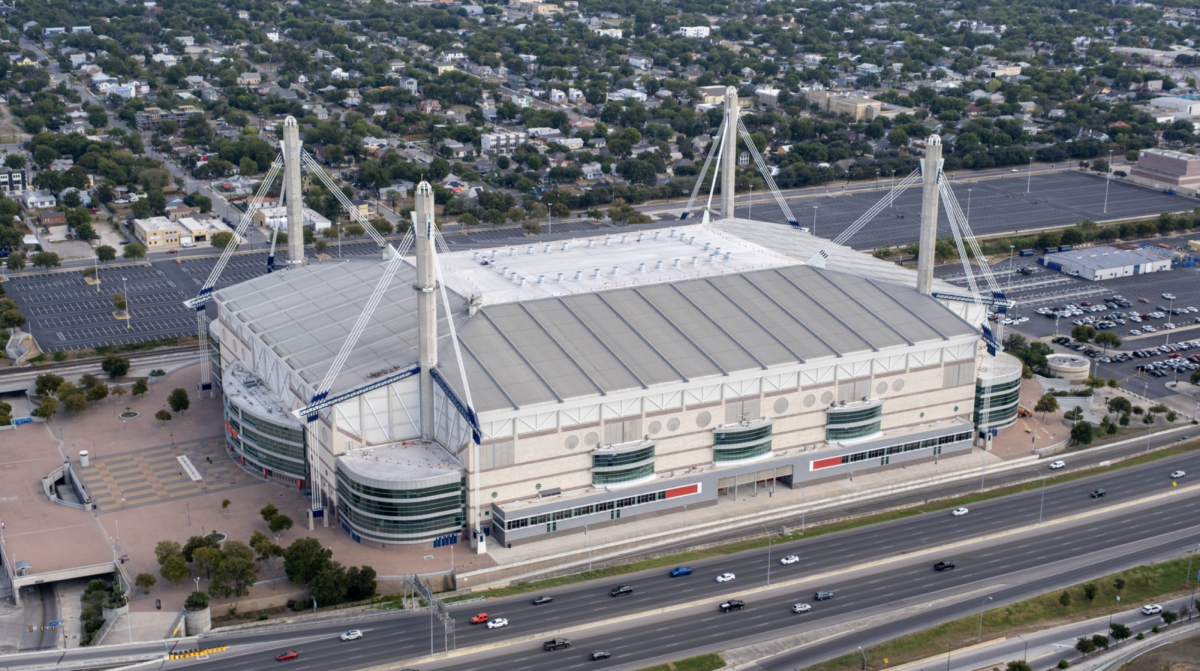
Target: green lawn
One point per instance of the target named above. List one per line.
(1141, 584)
(812, 531)
(702, 663)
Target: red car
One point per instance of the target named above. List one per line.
(290, 654)
(480, 618)
(172, 251)
(1175, 355)
(1086, 304)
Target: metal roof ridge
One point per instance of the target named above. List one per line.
(606, 346)
(600, 295)
(868, 310)
(910, 310)
(521, 354)
(786, 311)
(799, 359)
(680, 331)
(562, 349)
(827, 310)
(718, 325)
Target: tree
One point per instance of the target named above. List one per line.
(247, 167)
(236, 571)
(165, 550)
(1083, 333)
(329, 585)
(119, 302)
(15, 262)
(1169, 617)
(178, 400)
(145, 581)
(207, 559)
(320, 246)
(74, 403)
(1090, 590)
(1083, 433)
(46, 260)
(98, 393)
(106, 253)
(1119, 632)
(1119, 405)
(47, 383)
(1065, 599)
(196, 542)
(1018, 665)
(196, 601)
(360, 583)
(48, 407)
(220, 240)
(382, 225)
(162, 416)
(1100, 641)
(134, 250)
(1119, 584)
(1047, 403)
(1085, 645)
(118, 391)
(269, 512)
(175, 570)
(115, 365)
(1107, 338)
(304, 559)
(225, 506)
(532, 227)
(140, 386)
(468, 219)
(264, 547)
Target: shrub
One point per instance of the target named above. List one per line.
(1141, 636)
(196, 601)
(1062, 664)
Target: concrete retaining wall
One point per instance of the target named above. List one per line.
(197, 622)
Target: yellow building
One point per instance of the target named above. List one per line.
(164, 233)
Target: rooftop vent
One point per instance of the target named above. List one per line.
(475, 256)
(560, 277)
(641, 237)
(657, 234)
(692, 240)
(578, 274)
(624, 239)
(591, 243)
(541, 279)
(641, 267)
(596, 273)
(616, 270)
(607, 241)
(728, 255)
(707, 245)
(694, 258)
(528, 250)
(658, 265)
(522, 281)
(504, 271)
(493, 253)
(676, 263)
(565, 245)
(512, 251)
(546, 249)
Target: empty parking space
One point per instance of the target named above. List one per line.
(996, 206)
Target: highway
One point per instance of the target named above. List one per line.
(1024, 564)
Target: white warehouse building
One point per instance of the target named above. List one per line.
(1106, 263)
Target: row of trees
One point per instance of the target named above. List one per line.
(56, 392)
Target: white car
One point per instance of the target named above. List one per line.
(498, 622)
(959, 512)
(725, 577)
(352, 635)
(1057, 465)
(1152, 609)
(801, 608)
(1168, 325)
(1134, 332)
(1169, 297)
(790, 559)
(1177, 474)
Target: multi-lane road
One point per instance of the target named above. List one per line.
(884, 568)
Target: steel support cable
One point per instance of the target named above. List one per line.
(712, 151)
(952, 203)
(275, 231)
(766, 173)
(315, 168)
(247, 216)
(962, 252)
(818, 259)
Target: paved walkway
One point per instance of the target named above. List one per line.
(152, 475)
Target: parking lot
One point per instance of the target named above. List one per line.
(996, 206)
(1043, 288)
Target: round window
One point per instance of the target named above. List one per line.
(956, 408)
(571, 442)
(703, 419)
(898, 385)
(827, 398)
(654, 428)
(881, 389)
(538, 486)
(922, 415)
(591, 438)
(673, 424)
(495, 494)
(810, 400)
(781, 405)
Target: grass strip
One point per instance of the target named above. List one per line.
(818, 530)
(1138, 585)
(707, 662)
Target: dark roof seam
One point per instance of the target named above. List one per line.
(604, 344)
(680, 331)
(752, 318)
(521, 354)
(719, 327)
(910, 310)
(562, 349)
(789, 313)
(487, 372)
(868, 310)
(649, 344)
(827, 310)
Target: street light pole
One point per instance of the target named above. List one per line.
(1107, 181)
(588, 536)
(814, 219)
(1024, 655)
(864, 656)
(979, 638)
(1029, 181)
(769, 553)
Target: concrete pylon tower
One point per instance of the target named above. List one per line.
(423, 232)
(729, 154)
(294, 198)
(931, 173)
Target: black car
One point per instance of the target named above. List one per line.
(732, 604)
(542, 599)
(599, 654)
(621, 591)
(823, 595)
(944, 566)
(1097, 493)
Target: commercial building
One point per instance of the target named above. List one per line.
(598, 380)
(161, 232)
(1167, 168)
(1106, 263)
(501, 142)
(276, 218)
(694, 31)
(150, 117)
(11, 181)
(1183, 106)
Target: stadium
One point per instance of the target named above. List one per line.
(604, 379)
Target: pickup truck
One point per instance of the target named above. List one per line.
(556, 644)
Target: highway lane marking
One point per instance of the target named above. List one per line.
(663, 629)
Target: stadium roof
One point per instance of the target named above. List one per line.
(550, 350)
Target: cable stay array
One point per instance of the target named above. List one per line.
(766, 173)
(818, 259)
(314, 168)
(712, 151)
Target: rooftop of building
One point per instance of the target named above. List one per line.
(239, 383)
(992, 367)
(1171, 153)
(550, 342)
(1101, 258)
(393, 466)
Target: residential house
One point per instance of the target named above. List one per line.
(51, 218)
(249, 79)
(38, 200)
